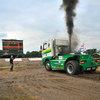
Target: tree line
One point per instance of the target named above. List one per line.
(28, 54)
(33, 54)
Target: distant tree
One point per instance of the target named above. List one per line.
(33, 54)
(27, 54)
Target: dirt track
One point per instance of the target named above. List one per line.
(54, 85)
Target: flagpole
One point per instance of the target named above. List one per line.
(83, 44)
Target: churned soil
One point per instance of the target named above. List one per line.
(35, 83)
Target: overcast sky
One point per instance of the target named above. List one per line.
(35, 21)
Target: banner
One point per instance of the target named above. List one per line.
(35, 59)
(15, 60)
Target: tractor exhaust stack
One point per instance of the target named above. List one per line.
(69, 43)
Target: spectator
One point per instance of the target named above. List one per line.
(11, 63)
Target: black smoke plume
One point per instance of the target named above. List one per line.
(69, 7)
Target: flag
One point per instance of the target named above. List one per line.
(82, 47)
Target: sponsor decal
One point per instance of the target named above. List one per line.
(60, 57)
(60, 67)
(5, 53)
(48, 45)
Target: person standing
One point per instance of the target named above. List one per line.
(11, 63)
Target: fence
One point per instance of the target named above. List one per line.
(21, 61)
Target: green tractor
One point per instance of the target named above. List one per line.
(55, 56)
(94, 52)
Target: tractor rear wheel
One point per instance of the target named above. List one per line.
(72, 67)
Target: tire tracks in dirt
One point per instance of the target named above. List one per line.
(39, 83)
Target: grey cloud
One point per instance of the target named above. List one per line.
(3, 35)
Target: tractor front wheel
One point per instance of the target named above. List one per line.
(47, 66)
